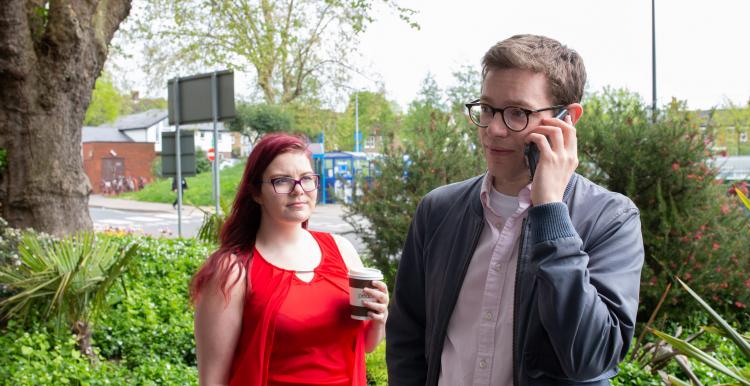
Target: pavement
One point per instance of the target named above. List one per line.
(107, 202)
(156, 218)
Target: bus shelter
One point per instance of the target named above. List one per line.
(340, 173)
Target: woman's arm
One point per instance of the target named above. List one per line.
(375, 330)
(217, 328)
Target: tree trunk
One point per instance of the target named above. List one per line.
(82, 331)
(51, 52)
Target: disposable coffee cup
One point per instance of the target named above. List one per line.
(359, 279)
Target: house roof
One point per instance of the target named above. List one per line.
(141, 121)
(103, 134)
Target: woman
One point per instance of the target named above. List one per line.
(272, 303)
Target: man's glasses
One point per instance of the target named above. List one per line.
(286, 185)
(515, 118)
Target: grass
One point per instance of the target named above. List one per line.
(199, 188)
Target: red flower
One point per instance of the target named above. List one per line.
(688, 276)
(739, 304)
(675, 166)
(747, 283)
(715, 246)
(725, 208)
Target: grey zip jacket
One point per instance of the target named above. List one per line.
(576, 290)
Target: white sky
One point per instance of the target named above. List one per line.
(702, 48)
(703, 53)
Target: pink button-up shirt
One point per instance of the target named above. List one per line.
(478, 348)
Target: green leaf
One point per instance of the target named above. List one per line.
(693, 352)
(676, 381)
(732, 333)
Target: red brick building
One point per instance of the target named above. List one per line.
(114, 162)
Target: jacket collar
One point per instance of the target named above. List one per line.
(476, 189)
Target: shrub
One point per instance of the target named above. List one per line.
(66, 279)
(689, 225)
(34, 355)
(152, 319)
(377, 373)
(443, 154)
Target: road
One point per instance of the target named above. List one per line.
(163, 221)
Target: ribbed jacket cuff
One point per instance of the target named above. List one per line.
(549, 222)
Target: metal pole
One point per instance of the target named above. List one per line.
(653, 60)
(178, 153)
(356, 121)
(215, 110)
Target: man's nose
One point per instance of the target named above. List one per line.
(497, 126)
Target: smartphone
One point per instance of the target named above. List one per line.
(531, 151)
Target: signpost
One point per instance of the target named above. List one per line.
(210, 154)
(200, 98)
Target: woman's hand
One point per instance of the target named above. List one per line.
(379, 304)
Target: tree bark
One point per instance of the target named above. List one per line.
(51, 52)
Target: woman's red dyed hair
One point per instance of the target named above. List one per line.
(241, 226)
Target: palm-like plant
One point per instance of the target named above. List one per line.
(683, 347)
(65, 279)
(210, 229)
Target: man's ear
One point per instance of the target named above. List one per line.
(575, 110)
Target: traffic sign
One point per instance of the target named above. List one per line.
(210, 154)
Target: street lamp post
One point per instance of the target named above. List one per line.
(356, 121)
(653, 60)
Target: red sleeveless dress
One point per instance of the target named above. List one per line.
(299, 333)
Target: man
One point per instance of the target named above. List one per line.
(507, 281)
(174, 189)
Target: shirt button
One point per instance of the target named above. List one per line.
(488, 316)
(482, 364)
(496, 267)
(499, 225)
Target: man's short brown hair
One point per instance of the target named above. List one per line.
(562, 65)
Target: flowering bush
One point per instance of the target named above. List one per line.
(691, 227)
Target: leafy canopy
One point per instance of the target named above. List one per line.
(292, 47)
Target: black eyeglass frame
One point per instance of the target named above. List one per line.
(502, 113)
(272, 181)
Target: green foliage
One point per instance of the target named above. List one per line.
(389, 202)
(106, 102)
(727, 126)
(376, 118)
(440, 148)
(3, 159)
(377, 373)
(35, 356)
(200, 188)
(255, 120)
(151, 320)
(134, 104)
(427, 111)
(9, 240)
(689, 224)
(716, 355)
(65, 278)
(156, 167)
(210, 228)
(466, 88)
(202, 164)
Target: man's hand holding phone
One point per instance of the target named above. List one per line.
(556, 159)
